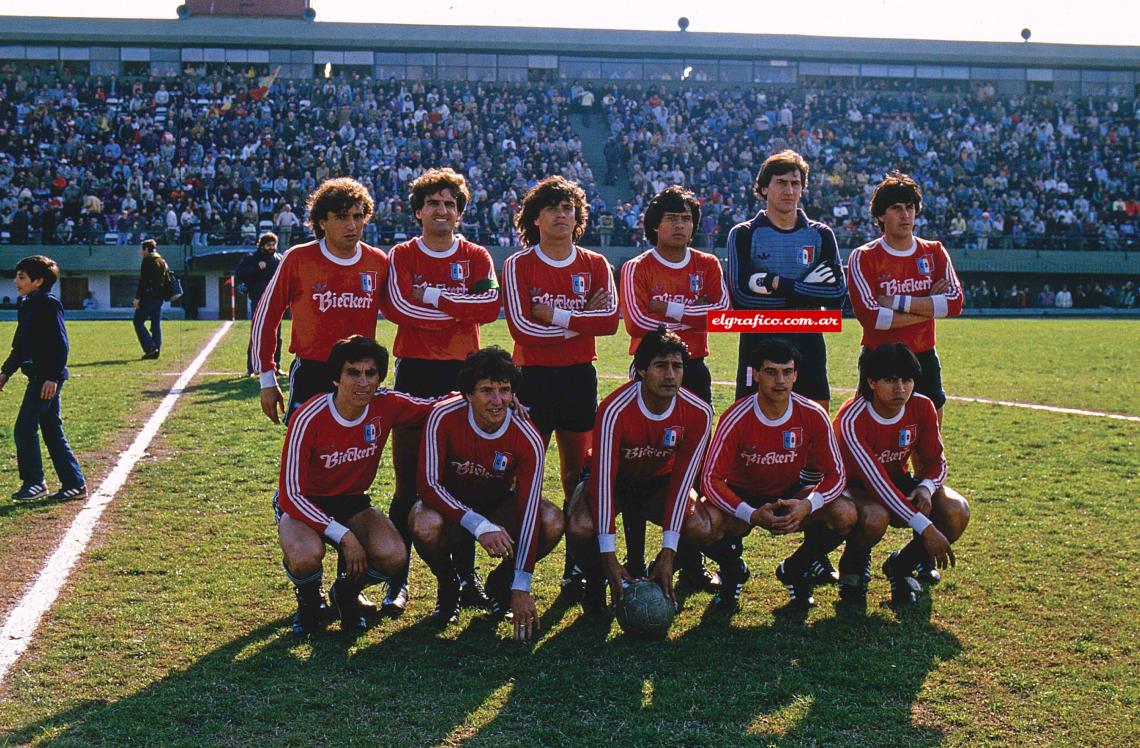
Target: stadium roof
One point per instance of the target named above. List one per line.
(281, 32)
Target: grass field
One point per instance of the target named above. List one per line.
(174, 627)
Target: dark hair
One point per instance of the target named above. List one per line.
(780, 163)
(660, 342)
(335, 196)
(548, 193)
(149, 245)
(776, 350)
(438, 180)
(357, 348)
(884, 362)
(265, 238)
(491, 363)
(896, 187)
(38, 267)
(674, 199)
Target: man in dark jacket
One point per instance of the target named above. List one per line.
(252, 277)
(149, 295)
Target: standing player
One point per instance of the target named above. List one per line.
(781, 259)
(440, 289)
(900, 283)
(649, 438)
(332, 286)
(480, 476)
(885, 426)
(763, 442)
(331, 453)
(558, 297)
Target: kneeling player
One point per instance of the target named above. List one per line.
(762, 443)
(885, 426)
(481, 467)
(649, 438)
(331, 453)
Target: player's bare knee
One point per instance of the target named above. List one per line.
(551, 527)
(954, 515)
(873, 523)
(425, 524)
(304, 559)
(843, 517)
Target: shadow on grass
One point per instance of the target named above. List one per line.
(108, 362)
(216, 390)
(844, 680)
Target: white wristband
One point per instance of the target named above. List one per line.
(941, 307)
(883, 321)
(607, 542)
(562, 318)
(744, 511)
(268, 379)
(473, 523)
(670, 539)
(431, 295)
(919, 522)
(929, 485)
(335, 531)
(675, 310)
(815, 498)
(522, 581)
(906, 303)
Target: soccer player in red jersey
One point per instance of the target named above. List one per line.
(762, 443)
(885, 426)
(900, 284)
(332, 451)
(440, 288)
(332, 286)
(481, 466)
(558, 297)
(648, 441)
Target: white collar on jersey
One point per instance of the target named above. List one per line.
(767, 421)
(340, 260)
(898, 252)
(493, 435)
(885, 421)
(649, 413)
(341, 419)
(439, 255)
(674, 265)
(557, 263)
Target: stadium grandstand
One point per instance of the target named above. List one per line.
(202, 133)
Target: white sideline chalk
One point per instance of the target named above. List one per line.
(25, 617)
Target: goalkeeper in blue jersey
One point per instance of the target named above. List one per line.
(781, 259)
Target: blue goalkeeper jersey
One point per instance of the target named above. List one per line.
(757, 246)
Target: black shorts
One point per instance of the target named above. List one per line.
(306, 378)
(811, 379)
(423, 377)
(341, 508)
(929, 382)
(644, 499)
(560, 398)
(697, 378)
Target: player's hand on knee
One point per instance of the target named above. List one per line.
(272, 403)
(497, 543)
(524, 615)
(663, 573)
(938, 547)
(355, 559)
(920, 497)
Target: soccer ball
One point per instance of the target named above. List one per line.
(644, 610)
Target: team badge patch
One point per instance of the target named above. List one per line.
(460, 270)
(501, 461)
(672, 436)
(906, 435)
(925, 264)
(697, 282)
(793, 438)
(580, 282)
(371, 432)
(368, 281)
(807, 255)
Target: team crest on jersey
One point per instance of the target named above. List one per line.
(807, 255)
(372, 431)
(368, 281)
(580, 282)
(672, 436)
(906, 435)
(461, 270)
(925, 264)
(697, 281)
(501, 461)
(793, 438)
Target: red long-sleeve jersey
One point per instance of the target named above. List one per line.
(530, 277)
(875, 269)
(326, 455)
(330, 299)
(632, 442)
(877, 450)
(465, 473)
(445, 325)
(762, 458)
(692, 288)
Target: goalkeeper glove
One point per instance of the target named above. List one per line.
(821, 274)
(761, 283)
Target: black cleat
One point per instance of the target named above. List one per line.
(345, 602)
(367, 607)
(853, 584)
(471, 592)
(820, 572)
(573, 582)
(311, 613)
(594, 595)
(904, 587)
(447, 601)
(698, 579)
(395, 602)
(798, 587)
(925, 573)
(150, 355)
(731, 585)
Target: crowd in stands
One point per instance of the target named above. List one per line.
(984, 295)
(216, 159)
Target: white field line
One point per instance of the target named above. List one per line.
(983, 400)
(25, 617)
